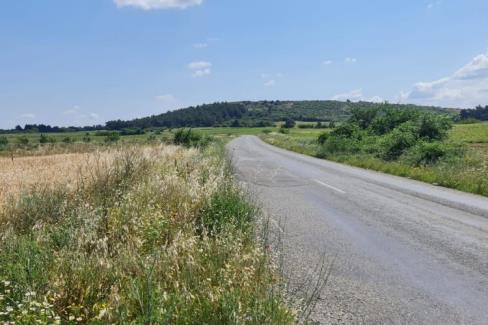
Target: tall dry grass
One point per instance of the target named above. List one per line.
(149, 235)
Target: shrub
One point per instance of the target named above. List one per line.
(434, 127)
(267, 131)
(23, 140)
(227, 208)
(284, 131)
(289, 124)
(395, 143)
(322, 138)
(363, 117)
(430, 153)
(112, 137)
(347, 130)
(190, 138)
(390, 118)
(68, 140)
(86, 138)
(3, 141)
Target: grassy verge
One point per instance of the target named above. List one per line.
(468, 172)
(154, 235)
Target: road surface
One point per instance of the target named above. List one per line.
(404, 252)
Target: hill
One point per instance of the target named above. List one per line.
(260, 113)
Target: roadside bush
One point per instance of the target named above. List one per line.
(391, 118)
(322, 138)
(347, 130)
(434, 127)
(363, 117)
(284, 131)
(395, 143)
(227, 208)
(430, 153)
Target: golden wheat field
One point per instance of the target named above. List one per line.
(22, 174)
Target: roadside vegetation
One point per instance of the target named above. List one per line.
(146, 234)
(411, 143)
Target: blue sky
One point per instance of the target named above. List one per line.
(83, 62)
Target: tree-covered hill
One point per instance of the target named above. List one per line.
(261, 113)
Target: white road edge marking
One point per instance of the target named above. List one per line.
(329, 186)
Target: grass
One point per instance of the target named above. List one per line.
(469, 174)
(150, 234)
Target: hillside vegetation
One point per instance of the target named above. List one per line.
(257, 114)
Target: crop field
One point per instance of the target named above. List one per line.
(145, 234)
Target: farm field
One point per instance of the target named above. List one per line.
(132, 234)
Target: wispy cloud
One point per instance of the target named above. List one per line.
(29, 116)
(158, 4)
(200, 68)
(434, 4)
(200, 45)
(467, 87)
(350, 60)
(327, 62)
(270, 83)
(357, 95)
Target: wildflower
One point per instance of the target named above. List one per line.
(71, 317)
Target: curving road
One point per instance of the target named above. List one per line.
(404, 252)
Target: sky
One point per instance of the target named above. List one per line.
(83, 62)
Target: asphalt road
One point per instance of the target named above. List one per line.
(403, 252)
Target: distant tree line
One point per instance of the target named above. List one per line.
(479, 113)
(42, 128)
(234, 114)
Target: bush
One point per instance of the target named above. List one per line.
(227, 208)
(267, 131)
(430, 153)
(68, 140)
(395, 143)
(3, 141)
(112, 137)
(322, 138)
(391, 118)
(23, 140)
(190, 138)
(284, 131)
(347, 130)
(434, 127)
(363, 117)
(289, 124)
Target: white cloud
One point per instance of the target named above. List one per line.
(29, 116)
(200, 68)
(200, 45)
(357, 95)
(93, 116)
(467, 87)
(327, 62)
(270, 83)
(72, 111)
(350, 60)
(166, 98)
(434, 4)
(158, 4)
